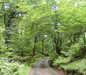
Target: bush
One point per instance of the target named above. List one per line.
(79, 66)
(10, 68)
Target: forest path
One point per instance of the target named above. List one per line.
(43, 68)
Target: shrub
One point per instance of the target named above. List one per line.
(10, 68)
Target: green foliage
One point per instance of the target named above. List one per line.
(12, 68)
(77, 66)
(32, 61)
(8, 68)
(61, 60)
(31, 30)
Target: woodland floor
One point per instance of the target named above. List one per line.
(43, 68)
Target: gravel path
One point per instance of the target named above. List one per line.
(43, 68)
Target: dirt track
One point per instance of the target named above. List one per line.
(43, 68)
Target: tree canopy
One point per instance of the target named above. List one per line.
(32, 29)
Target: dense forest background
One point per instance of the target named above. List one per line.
(34, 29)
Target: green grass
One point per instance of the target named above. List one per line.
(24, 70)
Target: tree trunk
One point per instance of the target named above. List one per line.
(34, 48)
(42, 46)
(57, 48)
(7, 22)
